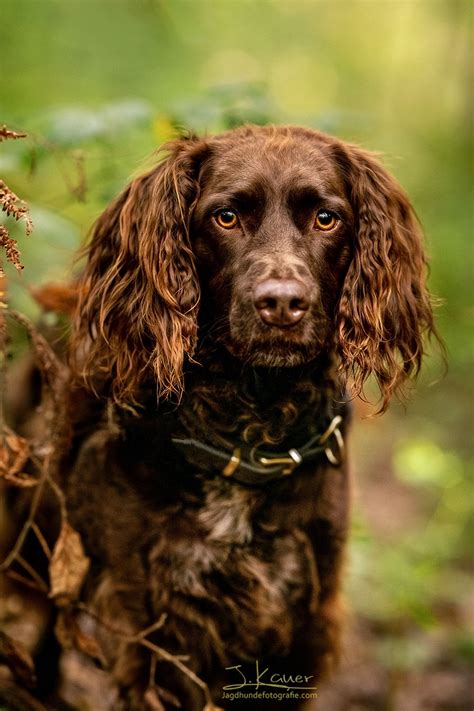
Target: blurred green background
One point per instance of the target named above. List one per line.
(98, 85)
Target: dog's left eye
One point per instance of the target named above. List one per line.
(226, 219)
(325, 220)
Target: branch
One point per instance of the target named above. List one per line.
(140, 638)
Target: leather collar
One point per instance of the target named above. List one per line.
(255, 467)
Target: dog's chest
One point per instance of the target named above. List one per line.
(248, 582)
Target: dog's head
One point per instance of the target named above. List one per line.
(277, 242)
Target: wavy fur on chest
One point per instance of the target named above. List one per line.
(233, 567)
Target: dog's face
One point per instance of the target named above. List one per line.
(277, 242)
(272, 232)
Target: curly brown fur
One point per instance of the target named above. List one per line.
(139, 291)
(384, 308)
(250, 327)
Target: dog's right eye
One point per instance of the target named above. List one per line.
(226, 219)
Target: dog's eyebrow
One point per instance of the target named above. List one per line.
(312, 195)
(245, 198)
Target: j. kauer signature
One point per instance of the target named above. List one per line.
(265, 678)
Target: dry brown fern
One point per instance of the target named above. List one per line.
(6, 133)
(14, 207)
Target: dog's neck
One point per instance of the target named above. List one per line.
(225, 401)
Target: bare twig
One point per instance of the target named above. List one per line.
(41, 539)
(159, 652)
(29, 569)
(152, 628)
(15, 551)
(44, 478)
(152, 674)
(24, 581)
(59, 495)
(168, 657)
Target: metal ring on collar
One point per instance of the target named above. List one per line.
(334, 424)
(335, 459)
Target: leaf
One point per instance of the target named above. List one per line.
(63, 629)
(56, 298)
(14, 452)
(68, 566)
(152, 701)
(22, 480)
(70, 635)
(18, 660)
(89, 646)
(167, 696)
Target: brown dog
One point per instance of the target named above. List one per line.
(228, 295)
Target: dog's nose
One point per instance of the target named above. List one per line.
(281, 302)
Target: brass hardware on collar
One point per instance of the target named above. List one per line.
(292, 461)
(335, 422)
(233, 463)
(333, 429)
(249, 467)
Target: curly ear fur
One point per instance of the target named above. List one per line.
(384, 308)
(138, 293)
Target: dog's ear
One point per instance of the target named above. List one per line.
(385, 308)
(139, 293)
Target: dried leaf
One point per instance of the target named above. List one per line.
(9, 244)
(18, 660)
(63, 629)
(70, 635)
(152, 700)
(167, 696)
(23, 480)
(57, 298)
(68, 566)
(18, 209)
(89, 646)
(19, 451)
(6, 133)
(14, 453)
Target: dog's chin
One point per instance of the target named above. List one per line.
(273, 354)
(273, 359)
